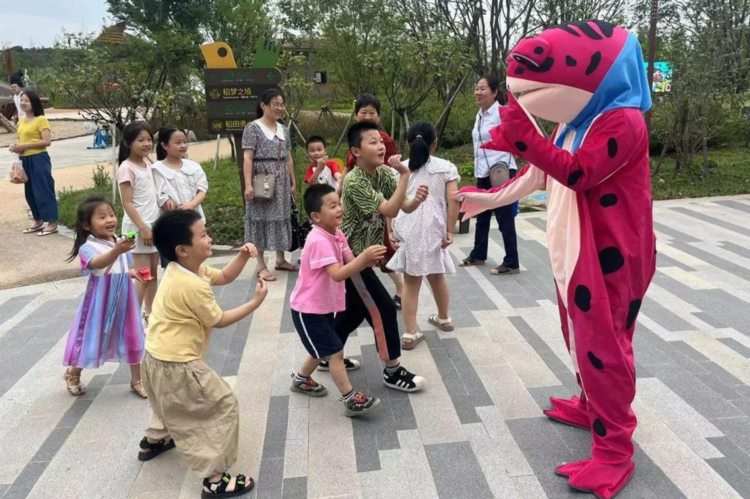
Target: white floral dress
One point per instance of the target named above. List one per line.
(421, 232)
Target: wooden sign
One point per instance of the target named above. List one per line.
(232, 96)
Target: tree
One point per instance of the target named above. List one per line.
(488, 28)
(113, 83)
(553, 12)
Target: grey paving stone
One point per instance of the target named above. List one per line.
(3, 488)
(737, 205)
(365, 447)
(664, 317)
(545, 352)
(716, 261)
(456, 471)
(51, 445)
(237, 345)
(736, 430)
(735, 248)
(649, 348)
(121, 376)
(23, 346)
(457, 390)
(736, 346)
(712, 220)
(295, 488)
(719, 308)
(383, 424)
(465, 290)
(738, 457)
(287, 325)
(539, 222)
(650, 474)
(25, 481)
(743, 404)
(695, 392)
(733, 476)
(403, 414)
(14, 305)
(270, 477)
(675, 234)
(276, 424)
(663, 260)
(541, 394)
(544, 449)
(469, 377)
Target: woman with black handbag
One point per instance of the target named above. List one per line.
(492, 168)
(270, 185)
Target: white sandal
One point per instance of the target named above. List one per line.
(442, 324)
(411, 340)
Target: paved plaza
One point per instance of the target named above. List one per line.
(476, 431)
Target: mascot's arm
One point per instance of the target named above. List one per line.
(608, 147)
(476, 201)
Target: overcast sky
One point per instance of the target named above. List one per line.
(38, 23)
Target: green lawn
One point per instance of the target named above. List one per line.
(224, 207)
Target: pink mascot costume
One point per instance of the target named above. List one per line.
(588, 77)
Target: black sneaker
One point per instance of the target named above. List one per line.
(308, 387)
(349, 364)
(359, 404)
(397, 301)
(403, 380)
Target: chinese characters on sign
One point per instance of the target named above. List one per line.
(232, 96)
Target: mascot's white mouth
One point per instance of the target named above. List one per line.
(553, 102)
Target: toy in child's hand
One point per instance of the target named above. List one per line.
(131, 235)
(145, 273)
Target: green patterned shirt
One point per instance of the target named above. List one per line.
(363, 193)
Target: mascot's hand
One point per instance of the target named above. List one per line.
(514, 128)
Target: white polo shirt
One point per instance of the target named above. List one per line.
(484, 158)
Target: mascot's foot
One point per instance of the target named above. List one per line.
(570, 412)
(602, 480)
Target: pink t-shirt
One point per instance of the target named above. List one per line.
(315, 291)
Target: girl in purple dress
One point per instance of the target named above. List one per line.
(108, 323)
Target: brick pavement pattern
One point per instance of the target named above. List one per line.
(476, 431)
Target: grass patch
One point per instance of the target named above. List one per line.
(727, 175)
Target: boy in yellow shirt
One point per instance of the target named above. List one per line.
(193, 407)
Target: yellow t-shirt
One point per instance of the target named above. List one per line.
(31, 131)
(183, 314)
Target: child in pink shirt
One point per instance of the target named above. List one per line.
(319, 293)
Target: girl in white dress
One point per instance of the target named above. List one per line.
(180, 182)
(423, 235)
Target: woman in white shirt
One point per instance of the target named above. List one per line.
(486, 93)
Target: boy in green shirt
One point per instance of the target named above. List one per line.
(370, 194)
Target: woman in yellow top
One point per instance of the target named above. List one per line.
(33, 139)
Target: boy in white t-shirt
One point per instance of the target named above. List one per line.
(327, 261)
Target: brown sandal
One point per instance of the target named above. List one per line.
(138, 389)
(73, 382)
(287, 267)
(266, 275)
(470, 262)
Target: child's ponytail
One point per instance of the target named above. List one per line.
(129, 134)
(421, 137)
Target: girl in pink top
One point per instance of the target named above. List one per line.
(138, 195)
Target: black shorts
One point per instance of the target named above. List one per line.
(318, 334)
